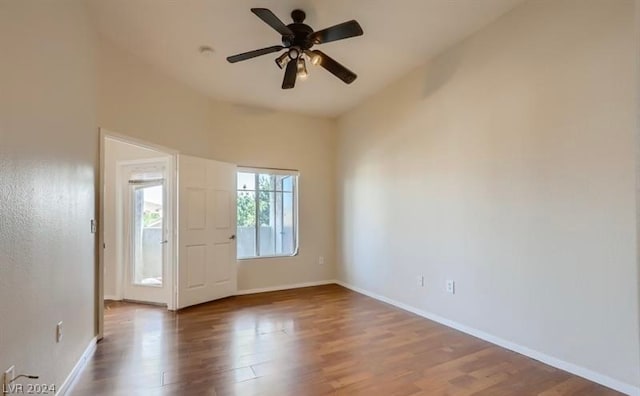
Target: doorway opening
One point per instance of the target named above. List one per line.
(137, 217)
(157, 248)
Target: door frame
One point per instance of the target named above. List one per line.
(172, 204)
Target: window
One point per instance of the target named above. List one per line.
(267, 213)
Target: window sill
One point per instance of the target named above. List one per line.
(265, 257)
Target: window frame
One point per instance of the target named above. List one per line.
(295, 191)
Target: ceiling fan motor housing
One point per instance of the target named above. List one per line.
(301, 33)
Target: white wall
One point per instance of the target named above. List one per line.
(136, 100)
(48, 156)
(508, 165)
(116, 152)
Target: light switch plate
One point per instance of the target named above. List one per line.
(451, 287)
(59, 332)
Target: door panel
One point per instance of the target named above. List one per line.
(196, 263)
(196, 208)
(222, 202)
(207, 222)
(222, 253)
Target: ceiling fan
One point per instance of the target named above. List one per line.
(297, 39)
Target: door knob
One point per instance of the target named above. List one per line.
(163, 242)
(232, 237)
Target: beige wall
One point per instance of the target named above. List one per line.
(508, 165)
(136, 100)
(48, 156)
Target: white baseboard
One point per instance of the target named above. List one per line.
(284, 287)
(544, 358)
(82, 362)
(110, 297)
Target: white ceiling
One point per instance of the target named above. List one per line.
(398, 36)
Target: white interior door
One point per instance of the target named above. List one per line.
(207, 227)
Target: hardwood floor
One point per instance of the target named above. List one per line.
(323, 340)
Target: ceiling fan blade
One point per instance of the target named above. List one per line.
(254, 53)
(270, 19)
(335, 68)
(338, 32)
(290, 75)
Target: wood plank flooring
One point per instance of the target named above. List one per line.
(323, 340)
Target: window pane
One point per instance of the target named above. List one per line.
(266, 181)
(277, 234)
(267, 223)
(246, 232)
(286, 183)
(266, 216)
(246, 181)
(288, 232)
(148, 235)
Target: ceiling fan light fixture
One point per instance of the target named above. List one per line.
(282, 60)
(302, 68)
(313, 57)
(294, 53)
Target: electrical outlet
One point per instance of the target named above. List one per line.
(420, 281)
(451, 287)
(59, 332)
(9, 376)
(321, 260)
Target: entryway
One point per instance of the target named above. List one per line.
(138, 222)
(168, 226)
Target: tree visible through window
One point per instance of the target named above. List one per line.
(267, 218)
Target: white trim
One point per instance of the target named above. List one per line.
(111, 297)
(136, 142)
(542, 357)
(284, 287)
(271, 171)
(77, 369)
